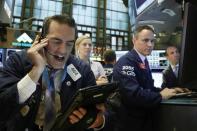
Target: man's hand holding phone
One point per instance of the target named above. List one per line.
(37, 57)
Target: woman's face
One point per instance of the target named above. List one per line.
(85, 48)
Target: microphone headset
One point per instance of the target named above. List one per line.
(50, 53)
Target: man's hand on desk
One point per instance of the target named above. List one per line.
(181, 90)
(167, 93)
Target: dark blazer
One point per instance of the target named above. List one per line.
(108, 71)
(169, 78)
(16, 67)
(138, 95)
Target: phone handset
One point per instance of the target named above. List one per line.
(42, 33)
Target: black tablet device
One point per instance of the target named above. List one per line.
(84, 97)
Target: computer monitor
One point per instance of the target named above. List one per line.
(11, 51)
(141, 5)
(157, 77)
(119, 54)
(157, 60)
(188, 64)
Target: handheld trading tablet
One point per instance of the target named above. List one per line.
(83, 97)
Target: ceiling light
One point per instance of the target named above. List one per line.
(169, 12)
(151, 22)
(160, 2)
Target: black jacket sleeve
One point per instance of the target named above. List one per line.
(10, 75)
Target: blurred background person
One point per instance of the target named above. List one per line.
(83, 48)
(170, 74)
(109, 60)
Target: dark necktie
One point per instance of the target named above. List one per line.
(146, 64)
(147, 68)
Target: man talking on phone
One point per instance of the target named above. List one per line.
(38, 83)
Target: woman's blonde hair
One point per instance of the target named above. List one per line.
(78, 41)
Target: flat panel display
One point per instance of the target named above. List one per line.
(157, 77)
(119, 54)
(141, 5)
(157, 60)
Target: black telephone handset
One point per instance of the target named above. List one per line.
(42, 34)
(42, 37)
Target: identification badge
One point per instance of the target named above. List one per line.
(73, 72)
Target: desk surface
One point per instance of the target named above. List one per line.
(176, 115)
(181, 101)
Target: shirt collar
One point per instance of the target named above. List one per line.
(142, 57)
(173, 66)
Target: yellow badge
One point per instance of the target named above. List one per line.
(24, 110)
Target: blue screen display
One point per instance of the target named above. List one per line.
(139, 3)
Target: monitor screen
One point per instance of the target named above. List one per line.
(188, 66)
(157, 60)
(157, 77)
(119, 54)
(5, 53)
(10, 52)
(141, 5)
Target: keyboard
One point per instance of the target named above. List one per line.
(186, 95)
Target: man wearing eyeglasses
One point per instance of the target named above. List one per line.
(139, 97)
(38, 83)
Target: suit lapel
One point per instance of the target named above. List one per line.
(171, 72)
